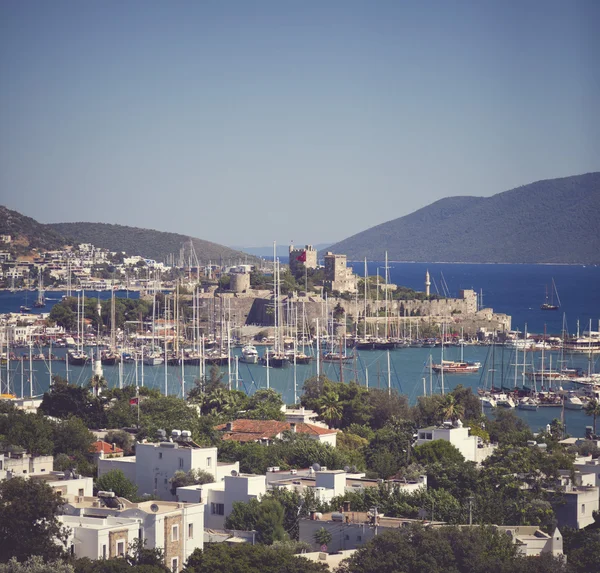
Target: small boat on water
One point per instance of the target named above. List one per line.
(504, 401)
(298, 357)
(528, 403)
(573, 403)
(549, 305)
(153, 359)
(78, 358)
(336, 357)
(452, 367)
(274, 359)
(249, 354)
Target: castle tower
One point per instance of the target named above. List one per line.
(427, 283)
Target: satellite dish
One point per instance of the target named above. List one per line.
(316, 467)
(234, 473)
(154, 507)
(346, 468)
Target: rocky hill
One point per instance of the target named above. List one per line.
(148, 243)
(27, 234)
(551, 221)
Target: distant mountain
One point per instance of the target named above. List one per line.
(26, 233)
(281, 250)
(551, 221)
(148, 243)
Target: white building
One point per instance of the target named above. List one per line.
(328, 484)
(106, 526)
(18, 463)
(154, 464)
(471, 447)
(218, 498)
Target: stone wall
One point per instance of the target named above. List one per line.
(113, 539)
(173, 548)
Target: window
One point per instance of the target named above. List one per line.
(160, 455)
(347, 538)
(359, 538)
(43, 469)
(208, 462)
(180, 462)
(81, 492)
(217, 508)
(166, 481)
(190, 530)
(104, 552)
(24, 471)
(175, 533)
(174, 564)
(121, 548)
(583, 508)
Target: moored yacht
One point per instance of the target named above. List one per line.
(249, 354)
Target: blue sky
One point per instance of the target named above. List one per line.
(244, 122)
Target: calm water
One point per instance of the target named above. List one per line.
(408, 373)
(517, 290)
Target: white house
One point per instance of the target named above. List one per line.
(107, 525)
(18, 463)
(154, 464)
(471, 447)
(218, 498)
(327, 484)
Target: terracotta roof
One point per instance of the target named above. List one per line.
(104, 447)
(252, 430)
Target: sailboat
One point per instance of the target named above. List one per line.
(550, 305)
(41, 299)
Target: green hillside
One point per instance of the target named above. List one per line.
(26, 233)
(148, 243)
(551, 221)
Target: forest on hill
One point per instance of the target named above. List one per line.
(550, 221)
(26, 233)
(148, 243)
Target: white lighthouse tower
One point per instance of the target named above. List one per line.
(427, 283)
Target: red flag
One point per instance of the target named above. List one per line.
(133, 401)
(302, 257)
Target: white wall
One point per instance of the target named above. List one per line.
(126, 465)
(157, 463)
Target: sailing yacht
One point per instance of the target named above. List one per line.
(550, 305)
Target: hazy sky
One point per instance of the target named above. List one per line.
(244, 122)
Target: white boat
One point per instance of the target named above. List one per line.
(154, 359)
(249, 354)
(573, 403)
(504, 401)
(527, 403)
(488, 402)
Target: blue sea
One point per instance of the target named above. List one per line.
(517, 290)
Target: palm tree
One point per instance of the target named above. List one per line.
(330, 408)
(593, 409)
(96, 383)
(450, 409)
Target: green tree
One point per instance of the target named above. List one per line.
(192, 477)
(265, 405)
(323, 536)
(28, 523)
(450, 409)
(330, 408)
(36, 564)
(593, 409)
(437, 451)
(266, 517)
(246, 558)
(115, 481)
